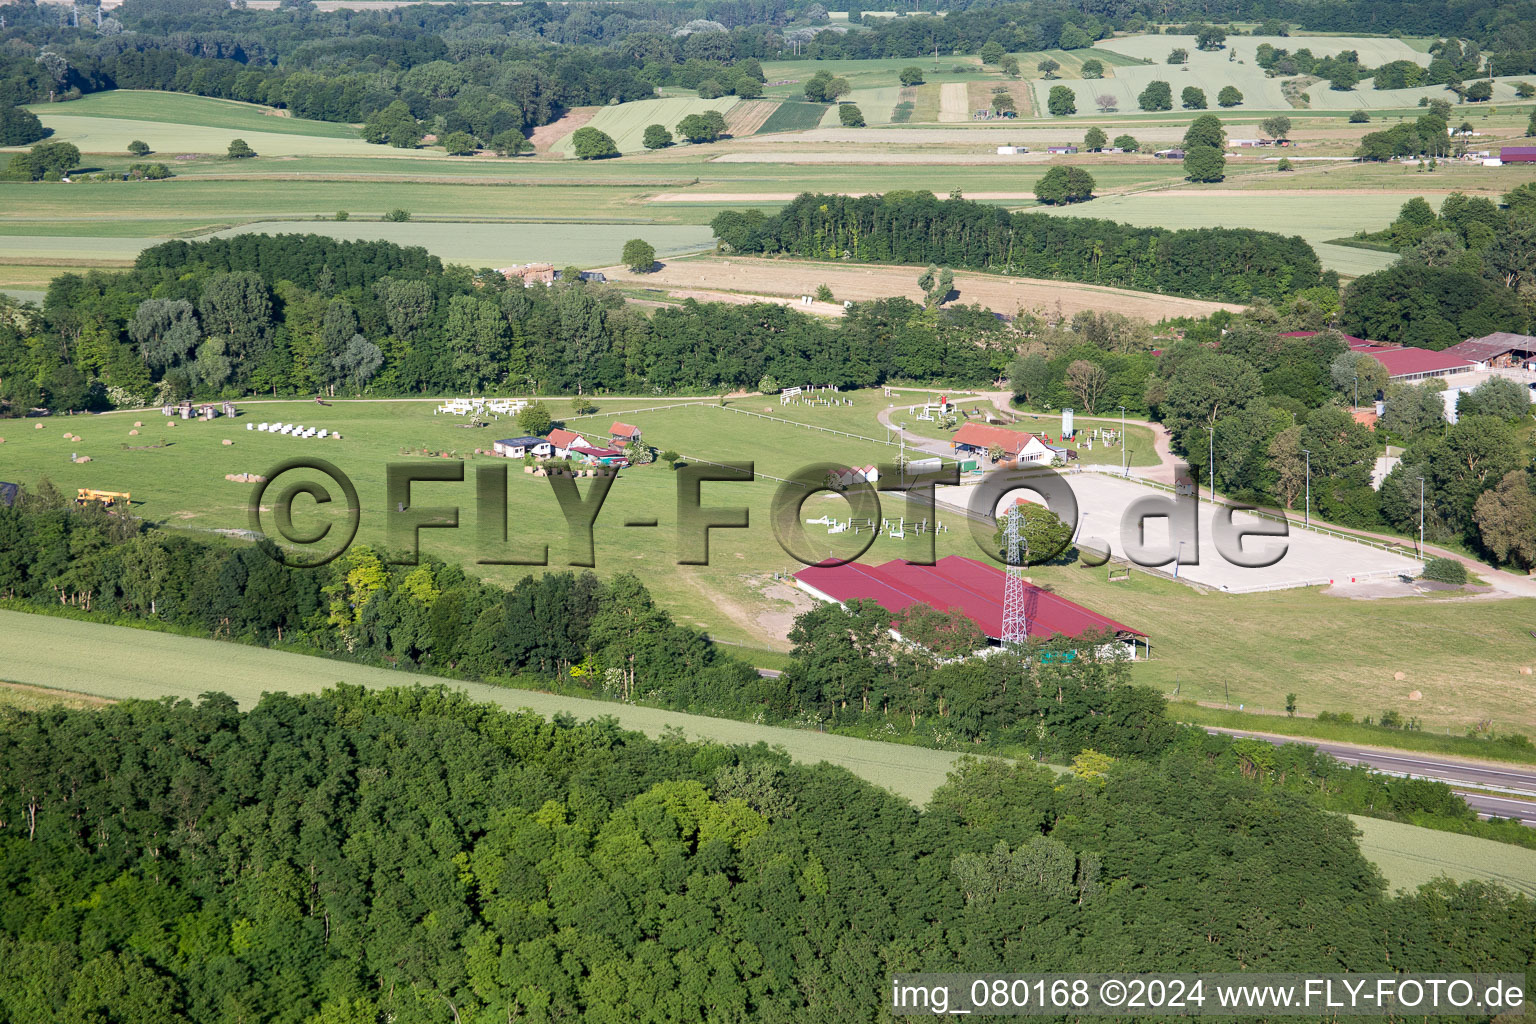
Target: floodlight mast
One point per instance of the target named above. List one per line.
(1015, 619)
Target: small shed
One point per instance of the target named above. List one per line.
(623, 433)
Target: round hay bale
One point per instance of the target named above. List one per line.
(170, 423)
(1525, 670)
(257, 478)
(138, 423)
(1415, 695)
(38, 427)
(1399, 676)
(133, 433)
(226, 441)
(83, 458)
(229, 476)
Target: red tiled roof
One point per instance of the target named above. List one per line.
(972, 588)
(562, 438)
(983, 435)
(623, 430)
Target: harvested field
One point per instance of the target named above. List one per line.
(847, 157)
(954, 102)
(980, 133)
(547, 135)
(748, 116)
(857, 282)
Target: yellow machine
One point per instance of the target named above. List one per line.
(107, 498)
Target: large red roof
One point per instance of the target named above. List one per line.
(1402, 361)
(984, 435)
(975, 589)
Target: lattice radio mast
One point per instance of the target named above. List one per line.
(1015, 619)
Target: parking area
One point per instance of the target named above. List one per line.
(1300, 558)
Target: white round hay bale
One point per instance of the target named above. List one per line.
(226, 441)
(229, 476)
(138, 423)
(133, 433)
(83, 458)
(1399, 676)
(1525, 670)
(1415, 695)
(38, 427)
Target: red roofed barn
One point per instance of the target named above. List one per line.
(975, 589)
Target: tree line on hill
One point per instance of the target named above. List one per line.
(300, 314)
(326, 860)
(1235, 264)
(607, 639)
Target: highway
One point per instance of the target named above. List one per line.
(1505, 790)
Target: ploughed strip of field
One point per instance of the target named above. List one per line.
(778, 279)
(748, 116)
(546, 135)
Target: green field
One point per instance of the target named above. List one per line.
(1335, 654)
(69, 655)
(794, 117)
(868, 74)
(626, 122)
(178, 109)
(1318, 218)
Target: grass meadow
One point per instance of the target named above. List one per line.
(61, 662)
(1336, 654)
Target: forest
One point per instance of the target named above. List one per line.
(1233, 264)
(607, 639)
(301, 314)
(408, 855)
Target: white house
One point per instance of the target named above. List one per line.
(517, 447)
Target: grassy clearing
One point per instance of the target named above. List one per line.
(38, 698)
(626, 122)
(868, 74)
(184, 109)
(68, 655)
(1373, 50)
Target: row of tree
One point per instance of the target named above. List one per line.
(1236, 264)
(301, 314)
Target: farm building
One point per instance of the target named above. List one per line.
(1415, 364)
(1518, 155)
(1498, 351)
(517, 447)
(563, 441)
(979, 438)
(598, 456)
(1169, 154)
(1062, 150)
(623, 433)
(1012, 150)
(974, 589)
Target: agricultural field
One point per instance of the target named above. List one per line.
(1317, 216)
(182, 109)
(1363, 97)
(786, 78)
(1373, 50)
(795, 116)
(1206, 71)
(65, 657)
(626, 122)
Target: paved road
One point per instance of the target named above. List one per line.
(1468, 778)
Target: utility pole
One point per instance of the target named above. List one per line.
(1421, 517)
(1125, 468)
(1212, 463)
(1357, 391)
(1309, 485)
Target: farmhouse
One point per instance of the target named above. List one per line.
(622, 433)
(974, 589)
(979, 439)
(517, 447)
(563, 441)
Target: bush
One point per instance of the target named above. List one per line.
(823, 293)
(139, 148)
(510, 143)
(1284, 164)
(398, 216)
(240, 150)
(1359, 117)
(1445, 570)
(459, 144)
(342, 215)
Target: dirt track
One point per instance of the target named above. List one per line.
(784, 197)
(858, 282)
